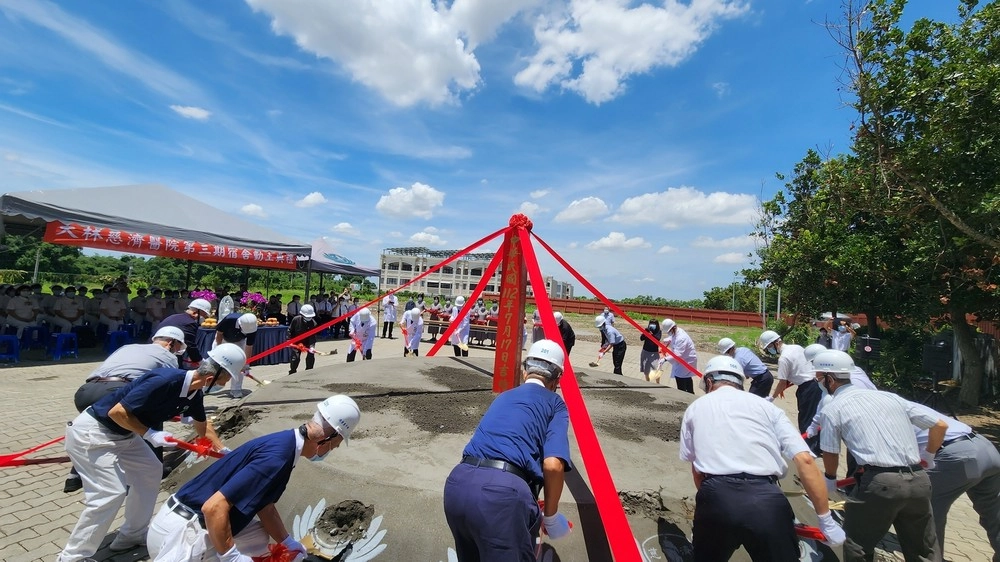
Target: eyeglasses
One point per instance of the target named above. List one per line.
(328, 439)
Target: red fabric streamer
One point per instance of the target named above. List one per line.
(480, 287)
(614, 308)
(616, 526)
(14, 459)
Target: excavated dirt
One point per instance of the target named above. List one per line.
(587, 381)
(232, 421)
(646, 503)
(434, 412)
(346, 521)
(457, 379)
(637, 415)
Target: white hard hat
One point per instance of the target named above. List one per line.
(459, 300)
(341, 413)
(558, 316)
(202, 305)
(365, 313)
(248, 323)
(725, 344)
(230, 357)
(307, 311)
(171, 332)
(667, 325)
(599, 320)
(548, 351)
(813, 350)
(767, 337)
(837, 363)
(724, 365)
(415, 310)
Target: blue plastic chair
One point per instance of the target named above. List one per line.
(114, 340)
(13, 348)
(63, 344)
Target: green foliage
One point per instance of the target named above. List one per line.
(747, 298)
(649, 300)
(800, 333)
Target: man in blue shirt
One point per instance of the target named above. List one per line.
(188, 321)
(227, 511)
(106, 448)
(760, 376)
(519, 447)
(612, 339)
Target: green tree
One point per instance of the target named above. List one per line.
(21, 251)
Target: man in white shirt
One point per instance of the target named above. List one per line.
(738, 446)
(793, 369)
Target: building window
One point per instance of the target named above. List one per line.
(394, 266)
(432, 284)
(445, 286)
(391, 281)
(407, 267)
(448, 269)
(477, 271)
(490, 289)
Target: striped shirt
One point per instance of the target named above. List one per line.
(875, 426)
(793, 366)
(955, 429)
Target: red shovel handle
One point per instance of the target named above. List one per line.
(201, 447)
(278, 553)
(807, 532)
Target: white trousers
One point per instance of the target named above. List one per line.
(174, 538)
(20, 324)
(110, 466)
(113, 325)
(65, 325)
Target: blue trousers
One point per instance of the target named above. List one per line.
(492, 515)
(732, 511)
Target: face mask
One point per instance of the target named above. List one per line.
(842, 329)
(114, 295)
(770, 350)
(651, 328)
(319, 458)
(70, 295)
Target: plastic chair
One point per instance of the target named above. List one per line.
(114, 340)
(34, 337)
(13, 347)
(63, 344)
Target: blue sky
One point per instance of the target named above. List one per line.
(637, 136)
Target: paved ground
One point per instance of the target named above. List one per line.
(36, 516)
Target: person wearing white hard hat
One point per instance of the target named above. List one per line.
(520, 447)
(414, 331)
(362, 329)
(565, 331)
(893, 489)
(649, 357)
(188, 322)
(240, 329)
(106, 444)
(739, 447)
(793, 369)
(228, 511)
(303, 322)
(460, 337)
(126, 364)
(760, 376)
(613, 341)
(389, 315)
(683, 346)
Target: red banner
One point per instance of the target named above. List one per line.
(73, 234)
(510, 327)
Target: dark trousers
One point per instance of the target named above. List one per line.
(807, 397)
(970, 466)
(296, 357)
(618, 356)
(686, 384)
(891, 499)
(365, 356)
(733, 511)
(492, 514)
(459, 352)
(387, 329)
(761, 384)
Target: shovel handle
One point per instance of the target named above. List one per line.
(201, 449)
(807, 532)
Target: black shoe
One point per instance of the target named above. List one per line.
(72, 485)
(293, 372)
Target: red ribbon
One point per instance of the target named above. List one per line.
(14, 459)
(480, 287)
(609, 505)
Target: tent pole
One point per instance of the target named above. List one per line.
(38, 259)
(187, 278)
(305, 295)
(267, 283)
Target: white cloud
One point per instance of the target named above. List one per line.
(572, 245)
(431, 230)
(617, 241)
(191, 112)
(732, 242)
(253, 210)
(666, 250)
(539, 193)
(420, 199)
(583, 210)
(311, 200)
(396, 234)
(428, 237)
(732, 258)
(528, 208)
(644, 280)
(679, 206)
(346, 229)
(610, 40)
(721, 89)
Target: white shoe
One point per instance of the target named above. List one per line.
(121, 544)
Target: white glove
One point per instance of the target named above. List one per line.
(158, 438)
(770, 398)
(834, 533)
(812, 431)
(831, 484)
(293, 545)
(927, 459)
(225, 450)
(187, 420)
(234, 555)
(556, 526)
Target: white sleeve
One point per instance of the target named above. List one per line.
(788, 435)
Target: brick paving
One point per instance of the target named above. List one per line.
(36, 516)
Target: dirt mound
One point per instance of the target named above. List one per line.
(434, 412)
(345, 522)
(231, 421)
(635, 415)
(458, 379)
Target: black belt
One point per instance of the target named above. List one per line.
(879, 469)
(499, 465)
(959, 438)
(744, 476)
(185, 511)
(109, 379)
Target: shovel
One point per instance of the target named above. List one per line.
(598, 362)
(256, 380)
(201, 447)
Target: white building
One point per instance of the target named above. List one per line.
(401, 265)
